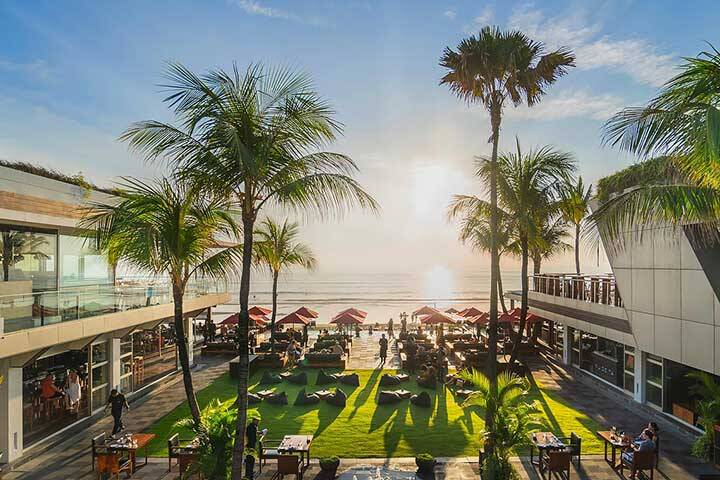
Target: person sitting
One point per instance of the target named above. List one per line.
(48, 389)
(73, 392)
(644, 443)
(337, 349)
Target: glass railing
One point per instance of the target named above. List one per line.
(600, 289)
(25, 311)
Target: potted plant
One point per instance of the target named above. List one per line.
(329, 466)
(425, 463)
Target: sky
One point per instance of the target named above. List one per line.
(74, 75)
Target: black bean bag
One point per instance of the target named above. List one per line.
(422, 399)
(351, 379)
(277, 398)
(305, 399)
(298, 379)
(325, 379)
(253, 399)
(270, 378)
(427, 382)
(386, 397)
(339, 398)
(389, 380)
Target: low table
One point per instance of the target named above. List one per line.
(403, 377)
(265, 393)
(615, 443)
(297, 443)
(323, 394)
(403, 393)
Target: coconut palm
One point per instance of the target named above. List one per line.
(495, 68)
(549, 240)
(574, 206)
(169, 228)
(277, 248)
(255, 136)
(474, 214)
(527, 186)
(682, 123)
(15, 246)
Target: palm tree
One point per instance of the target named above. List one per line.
(549, 240)
(527, 184)
(681, 123)
(574, 206)
(494, 68)
(257, 137)
(475, 230)
(277, 248)
(17, 245)
(168, 227)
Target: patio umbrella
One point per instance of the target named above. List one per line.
(259, 320)
(481, 319)
(438, 318)
(259, 311)
(353, 311)
(425, 310)
(470, 312)
(306, 312)
(293, 317)
(506, 318)
(347, 318)
(452, 310)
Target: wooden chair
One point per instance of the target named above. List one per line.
(556, 461)
(267, 450)
(112, 463)
(288, 465)
(641, 461)
(173, 449)
(656, 439)
(96, 444)
(574, 445)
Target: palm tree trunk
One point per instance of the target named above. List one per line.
(243, 351)
(537, 262)
(523, 297)
(182, 346)
(495, 118)
(500, 289)
(577, 248)
(274, 308)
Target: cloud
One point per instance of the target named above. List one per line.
(635, 57)
(37, 68)
(450, 14)
(253, 7)
(485, 17)
(569, 104)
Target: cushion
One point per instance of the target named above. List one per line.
(253, 399)
(277, 398)
(324, 379)
(339, 398)
(387, 397)
(305, 399)
(350, 379)
(269, 378)
(298, 379)
(422, 399)
(389, 380)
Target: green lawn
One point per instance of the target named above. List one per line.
(365, 429)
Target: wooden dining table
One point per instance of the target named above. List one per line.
(131, 443)
(297, 443)
(615, 443)
(543, 441)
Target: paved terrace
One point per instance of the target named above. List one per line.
(71, 459)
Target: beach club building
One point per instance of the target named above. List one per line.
(65, 317)
(642, 328)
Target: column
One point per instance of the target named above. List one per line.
(567, 345)
(191, 340)
(639, 394)
(114, 363)
(11, 411)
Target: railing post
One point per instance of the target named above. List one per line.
(77, 307)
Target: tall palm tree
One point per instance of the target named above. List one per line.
(549, 240)
(277, 248)
(527, 184)
(681, 123)
(15, 246)
(170, 228)
(256, 136)
(474, 214)
(494, 68)
(575, 205)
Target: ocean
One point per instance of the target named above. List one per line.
(383, 296)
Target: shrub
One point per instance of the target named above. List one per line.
(329, 463)
(425, 462)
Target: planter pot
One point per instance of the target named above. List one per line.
(329, 468)
(425, 466)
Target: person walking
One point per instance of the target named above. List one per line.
(391, 334)
(383, 349)
(117, 403)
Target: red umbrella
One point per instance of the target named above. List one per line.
(451, 310)
(259, 320)
(306, 312)
(426, 310)
(438, 318)
(481, 319)
(506, 318)
(470, 312)
(532, 318)
(515, 312)
(352, 311)
(347, 318)
(294, 317)
(259, 311)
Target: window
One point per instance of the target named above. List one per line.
(28, 254)
(629, 369)
(81, 264)
(100, 374)
(654, 381)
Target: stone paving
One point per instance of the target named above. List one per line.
(365, 352)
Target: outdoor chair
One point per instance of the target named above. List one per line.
(338, 399)
(324, 379)
(288, 465)
(267, 450)
(298, 379)
(574, 445)
(253, 398)
(111, 463)
(173, 449)
(556, 461)
(389, 380)
(277, 398)
(639, 462)
(351, 379)
(387, 397)
(422, 399)
(304, 399)
(96, 443)
(657, 449)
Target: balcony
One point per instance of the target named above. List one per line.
(598, 289)
(40, 309)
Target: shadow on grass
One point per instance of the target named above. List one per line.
(365, 393)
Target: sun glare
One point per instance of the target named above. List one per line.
(438, 282)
